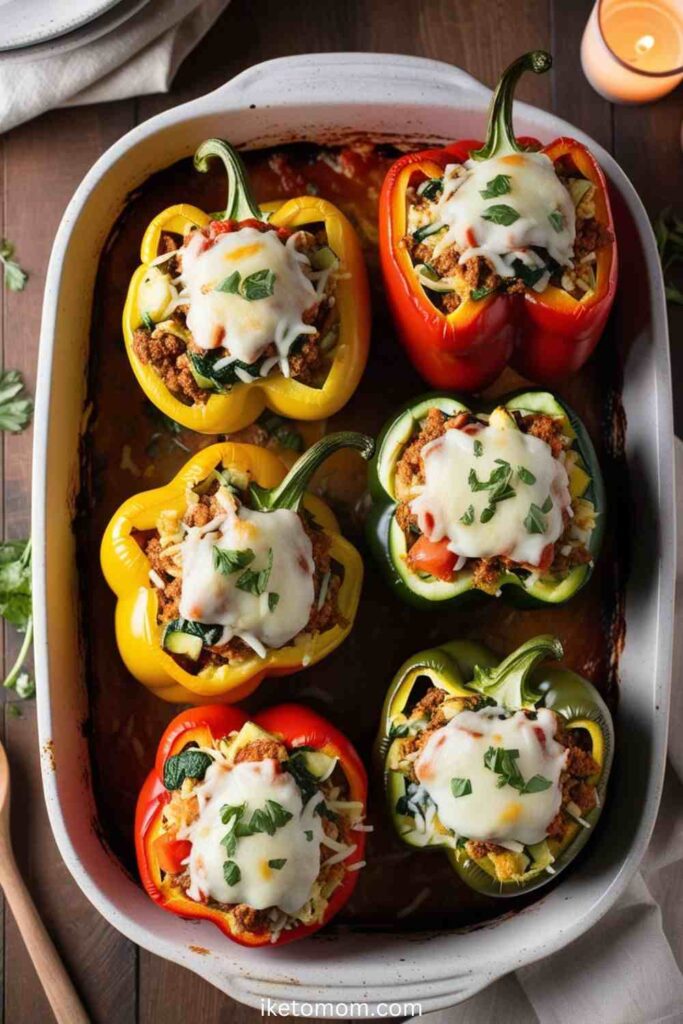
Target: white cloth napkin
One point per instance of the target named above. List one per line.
(140, 56)
(627, 969)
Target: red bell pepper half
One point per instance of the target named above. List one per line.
(546, 335)
(159, 857)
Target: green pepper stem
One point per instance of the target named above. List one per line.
(507, 682)
(500, 139)
(241, 204)
(290, 492)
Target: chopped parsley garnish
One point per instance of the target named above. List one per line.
(230, 284)
(536, 784)
(500, 213)
(487, 514)
(556, 219)
(525, 475)
(498, 186)
(547, 505)
(256, 286)
(273, 601)
(467, 518)
(231, 872)
(504, 763)
(309, 834)
(461, 787)
(535, 521)
(229, 560)
(478, 449)
(277, 863)
(255, 581)
(259, 285)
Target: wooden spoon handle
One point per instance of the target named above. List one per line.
(61, 994)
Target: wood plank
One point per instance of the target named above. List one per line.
(44, 161)
(647, 144)
(573, 97)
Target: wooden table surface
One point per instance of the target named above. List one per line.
(42, 163)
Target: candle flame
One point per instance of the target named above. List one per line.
(644, 45)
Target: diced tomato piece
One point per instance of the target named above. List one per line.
(433, 557)
(170, 853)
(547, 557)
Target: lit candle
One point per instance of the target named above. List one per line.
(632, 50)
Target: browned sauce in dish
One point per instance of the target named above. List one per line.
(129, 448)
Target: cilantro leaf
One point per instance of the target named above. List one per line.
(16, 408)
(15, 278)
(258, 286)
(277, 863)
(467, 518)
(478, 448)
(525, 475)
(461, 787)
(534, 521)
(255, 581)
(229, 560)
(556, 219)
(498, 186)
(231, 872)
(230, 284)
(273, 601)
(500, 213)
(536, 784)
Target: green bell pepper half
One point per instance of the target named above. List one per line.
(464, 668)
(386, 537)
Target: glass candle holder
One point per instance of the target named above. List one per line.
(632, 50)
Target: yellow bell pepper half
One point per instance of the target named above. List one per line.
(229, 412)
(127, 571)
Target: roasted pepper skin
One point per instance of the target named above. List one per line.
(297, 726)
(126, 569)
(453, 667)
(227, 413)
(544, 336)
(385, 537)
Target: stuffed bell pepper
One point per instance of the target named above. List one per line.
(498, 253)
(231, 573)
(502, 764)
(509, 499)
(259, 306)
(256, 825)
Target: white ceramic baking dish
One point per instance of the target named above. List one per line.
(384, 97)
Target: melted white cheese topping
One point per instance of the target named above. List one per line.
(490, 813)
(260, 885)
(536, 194)
(213, 597)
(447, 495)
(226, 319)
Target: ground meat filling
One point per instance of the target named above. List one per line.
(325, 613)
(477, 278)
(577, 789)
(166, 352)
(486, 572)
(183, 809)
